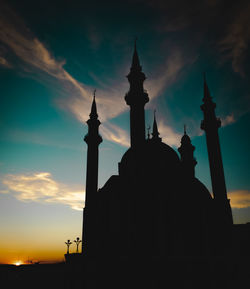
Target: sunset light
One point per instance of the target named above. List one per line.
(18, 263)
(124, 144)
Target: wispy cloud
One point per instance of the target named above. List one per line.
(229, 119)
(37, 59)
(236, 42)
(120, 136)
(4, 62)
(115, 134)
(75, 96)
(169, 136)
(239, 199)
(109, 103)
(167, 73)
(41, 187)
(17, 37)
(238, 107)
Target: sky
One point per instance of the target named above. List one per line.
(53, 54)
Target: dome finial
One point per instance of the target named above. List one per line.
(185, 138)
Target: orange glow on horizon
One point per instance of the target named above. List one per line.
(38, 249)
(31, 257)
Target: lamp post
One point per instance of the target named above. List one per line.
(68, 243)
(77, 241)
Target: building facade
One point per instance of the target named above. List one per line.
(154, 212)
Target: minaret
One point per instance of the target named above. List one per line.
(93, 139)
(186, 151)
(136, 98)
(210, 125)
(155, 133)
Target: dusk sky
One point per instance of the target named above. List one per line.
(53, 54)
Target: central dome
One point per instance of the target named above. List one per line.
(153, 154)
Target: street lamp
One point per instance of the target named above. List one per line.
(77, 241)
(68, 243)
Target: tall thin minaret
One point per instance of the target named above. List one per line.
(136, 98)
(210, 125)
(93, 139)
(186, 151)
(155, 133)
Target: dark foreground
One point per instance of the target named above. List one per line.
(34, 276)
(216, 274)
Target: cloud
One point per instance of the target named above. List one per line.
(41, 187)
(168, 135)
(115, 134)
(75, 96)
(109, 103)
(168, 72)
(206, 22)
(229, 119)
(17, 37)
(120, 136)
(32, 52)
(236, 109)
(4, 62)
(37, 58)
(239, 199)
(235, 44)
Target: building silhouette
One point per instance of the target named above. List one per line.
(155, 223)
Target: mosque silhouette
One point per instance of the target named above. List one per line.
(155, 224)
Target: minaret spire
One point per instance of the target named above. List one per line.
(155, 134)
(135, 60)
(186, 151)
(93, 139)
(93, 113)
(136, 98)
(210, 125)
(207, 97)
